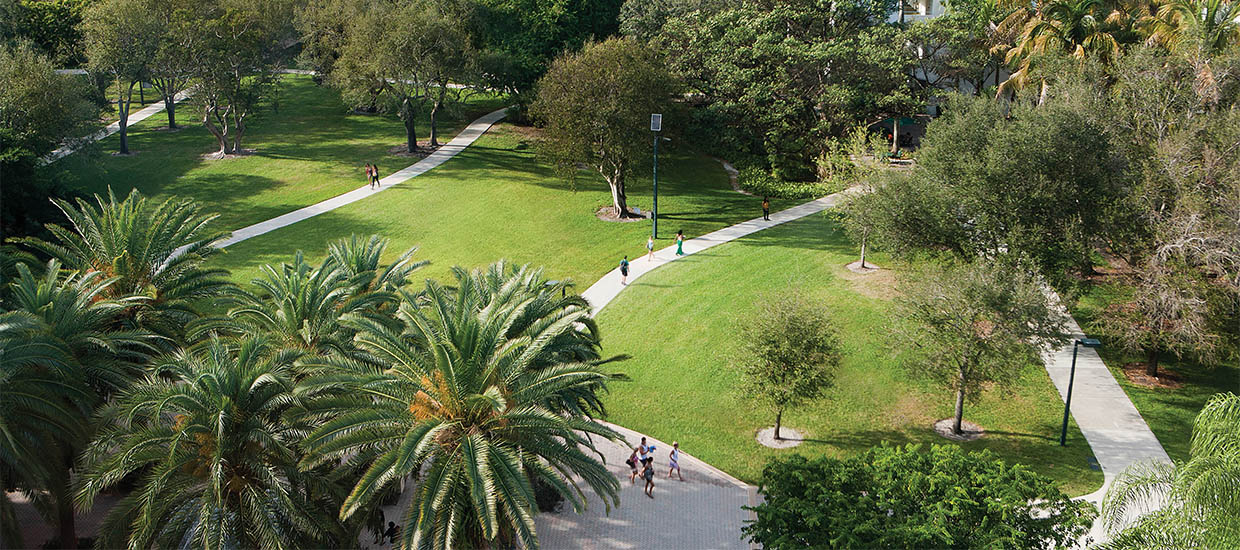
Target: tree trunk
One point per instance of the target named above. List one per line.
(779, 415)
(865, 235)
(123, 101)
(219, 131)
(1151, 362)
(238, 130)
(895, 135)
(956, 429)
(170, 105)
(66, 521)
(434, 133)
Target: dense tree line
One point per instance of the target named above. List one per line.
(283, 415)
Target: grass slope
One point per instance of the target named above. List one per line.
(495, 200)
(1169, 412)
(678, 325)
(307, 149)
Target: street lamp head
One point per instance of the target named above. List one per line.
(656, 123)
(1089, 342)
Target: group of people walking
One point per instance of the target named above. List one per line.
(372, 175)
(641, 462)
(680, 244)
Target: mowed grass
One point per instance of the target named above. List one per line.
(1169, 412)
(496, 200)
(679, 325)
(307, 149)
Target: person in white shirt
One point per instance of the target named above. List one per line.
(674, 459)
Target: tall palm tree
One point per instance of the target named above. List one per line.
(80, 321)
(1078, 28)
(1191, 504)
(469, 403)
(156, 250)
(42, 407)
(1194, 26)
(214, 447)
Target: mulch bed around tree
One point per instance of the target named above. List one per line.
(403, 151)
(608, 214)
(970, 430)
(1166, 379)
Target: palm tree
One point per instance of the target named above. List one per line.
(1194, 26)
(1191, 504)
(215, 448)
(1079, 28)
(362, 264)
(156, 250)
(82, 323)
(42, 407)
(471, 399)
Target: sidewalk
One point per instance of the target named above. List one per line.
(134, 118)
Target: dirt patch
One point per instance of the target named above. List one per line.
(879, 284)
(131, 153)
(167, 129)
(1135, 373)
(215, 155)
(857, 268)
(970, 431)
(732, 174)
(533, 133)
(608, 214)
(403, 151)
(790, 437)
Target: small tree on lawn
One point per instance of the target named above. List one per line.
(789, 353)
(968, 325)
(860, 213)
(1169, 313)
(596, 107)
(121, 39)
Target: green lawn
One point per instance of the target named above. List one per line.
(678, 325)
(495, 201)
(1169, 412)
(308, 150)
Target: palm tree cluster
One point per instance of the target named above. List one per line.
(287, 414)
(1100, 29)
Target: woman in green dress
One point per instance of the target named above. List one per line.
(680, 242)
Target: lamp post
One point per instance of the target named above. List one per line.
(656, 126)
(1067, 404)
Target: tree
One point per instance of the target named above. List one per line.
(789, 353)
(172, 66)
(154, 250)
(403, 57)
(216, 451)
(39, 110)
(1191, 504)
(53, 26)
(122, 38)
(472, 403)
(1169, 312)
(1080, 28)
(890, 497)
(596, 106)
(968, 325)
(241, 48)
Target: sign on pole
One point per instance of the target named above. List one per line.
(656, 123)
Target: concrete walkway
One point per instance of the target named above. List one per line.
(441, 155)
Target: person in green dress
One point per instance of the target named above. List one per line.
(680, 242)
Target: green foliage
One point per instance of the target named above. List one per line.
(761, 183)
(478, 390)
(1190, 504)
(596, 108)
(974, 324)
(121, 39)
(758, 69)
(53, 26)
(39, 109)
(789, 352)
(890, 497)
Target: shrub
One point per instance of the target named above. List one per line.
(760, 182)
(891, 497)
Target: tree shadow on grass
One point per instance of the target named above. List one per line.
(309, 236)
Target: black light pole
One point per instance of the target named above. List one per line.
(656, 126)
(1067, 404)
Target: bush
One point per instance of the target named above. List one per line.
(891, 497)
(760, 182)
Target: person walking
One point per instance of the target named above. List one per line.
(374, 175)
(392, 532)
(370, 175)
(648, 473)
(680, 242)
(632, 462)
(674, 460)
(649, 248)
(766, 209)
(624, 270)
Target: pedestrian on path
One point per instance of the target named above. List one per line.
(370, 175)
(624, 275)
(649, 248)
(374, 175)
(632, 462)
(392, 532)
(674, 459)
(648, 473)
(766, 210)
(680, 242)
